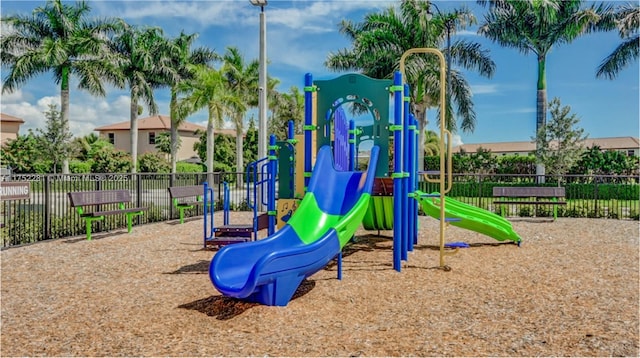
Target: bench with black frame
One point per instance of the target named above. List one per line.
(186, 197)
(115, 201)
(529, 195)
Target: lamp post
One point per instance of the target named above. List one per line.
(448, 27)
(262, 82)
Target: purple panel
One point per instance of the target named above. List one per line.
(341, 140)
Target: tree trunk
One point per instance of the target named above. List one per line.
(64, 112)
(541, 111)
(175, 124)
(421, 116)
(239, 152)
(210, 148)
(133, 132)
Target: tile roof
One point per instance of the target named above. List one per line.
(8, 118)
(520, 147)
(160, 122)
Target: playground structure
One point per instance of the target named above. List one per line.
(339, 198)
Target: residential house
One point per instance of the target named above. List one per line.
(148, 130)
(9, 127)
(628, 145)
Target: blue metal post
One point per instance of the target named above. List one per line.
(290, 132)
(397, 170)
(352, 145)
(405, 174)
(208, 213)
(272, 172)
(225, 205)
(308, 126)
(414, 179)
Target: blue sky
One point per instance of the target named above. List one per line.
(300, 34)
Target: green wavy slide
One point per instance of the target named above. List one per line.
(470, 217)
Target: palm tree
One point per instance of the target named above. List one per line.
(144, 66)
(183, 56)
(242, 80)
(535, 27)
(287, 106)
(58, 38)
(431, 143)
(381, 39)
(208, 89)
(627, 21)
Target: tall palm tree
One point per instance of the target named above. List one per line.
(287, 106)
(432, 143)
(144, 66)
(242, 80)
(182, 56)
(627, 22)
(58, 38)
(208, 89)
(381, 39)
(535, 27)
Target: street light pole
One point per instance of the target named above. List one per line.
(262, 82)
(447, 27)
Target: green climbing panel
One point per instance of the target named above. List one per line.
(364, 97)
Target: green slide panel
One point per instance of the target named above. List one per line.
(379, 215)
(471, 218)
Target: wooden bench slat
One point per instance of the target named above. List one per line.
(530, 202)
(529, 195)
(186, 197)
(186, 191)
(95, 199)
(528, 192)
(86, 198)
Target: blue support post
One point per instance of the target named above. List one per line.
(404, 198)
(290, 130)
(308, 126)
(413, 203)
(272, 173)
(416, 145)
(352, 144)
(208, 214)
(397, 170)
(225, 205)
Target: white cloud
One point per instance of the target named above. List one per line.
(484, 89)
(466, 33)
(85, 111)
(456, 140)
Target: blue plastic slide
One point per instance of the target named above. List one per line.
(269, 271)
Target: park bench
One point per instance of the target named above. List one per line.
(186, 197)
(103, 203)
(529, 195)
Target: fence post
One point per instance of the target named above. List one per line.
(47, 210)
(138, 190)
(595, 197)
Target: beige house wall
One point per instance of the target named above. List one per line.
(122, 141)
(9, 131)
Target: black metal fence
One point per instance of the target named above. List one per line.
(47, 213)
(614, 197)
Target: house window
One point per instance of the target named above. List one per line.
(630, 152)
(112, 138)
(152, 137)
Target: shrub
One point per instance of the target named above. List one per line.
(153, 163)
(79, 167)
(182, 167)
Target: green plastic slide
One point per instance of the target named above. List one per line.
(469, 217)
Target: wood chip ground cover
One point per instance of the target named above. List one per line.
(571, 289)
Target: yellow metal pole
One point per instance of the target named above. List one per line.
(444, 163)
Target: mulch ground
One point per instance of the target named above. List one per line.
(571, 289)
